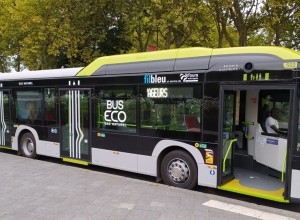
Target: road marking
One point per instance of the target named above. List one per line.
(157, 204)
(126, 206)
(245, 211)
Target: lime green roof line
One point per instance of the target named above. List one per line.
(145, 56)
(283, 53)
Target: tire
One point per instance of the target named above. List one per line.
(179, 169)
(28, 145)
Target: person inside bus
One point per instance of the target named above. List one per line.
(32, 111)
(271, 123)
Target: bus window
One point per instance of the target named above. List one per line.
(298, 141)
(170, 108)
(50, 110)
(274, 99)
(116, 109)
(28, 106)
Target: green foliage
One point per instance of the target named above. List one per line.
(281, 21)
(43, 34)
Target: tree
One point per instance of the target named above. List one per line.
(220, 12)
(281, 19)
(178, 20)
(8, 37)
(244, 15)
(42, 34)
(140, 22)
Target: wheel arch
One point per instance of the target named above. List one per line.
(165, 146)
(21, 130)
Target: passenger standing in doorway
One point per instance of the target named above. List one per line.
(271, 123)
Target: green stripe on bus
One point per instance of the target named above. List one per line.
(71, 160)
(4, 147)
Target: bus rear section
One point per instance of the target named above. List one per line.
(255, 161)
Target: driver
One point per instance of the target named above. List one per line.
(271, 123)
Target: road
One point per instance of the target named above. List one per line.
(47, 188)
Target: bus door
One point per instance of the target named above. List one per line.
(74, 111)
(5, 119)
(295, 174)
(227, 135)
(261, 160)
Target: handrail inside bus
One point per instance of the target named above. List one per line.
(283, 166)
(227, 152)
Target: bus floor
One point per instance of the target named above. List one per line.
(249, 182)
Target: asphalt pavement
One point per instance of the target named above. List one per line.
(47, 188)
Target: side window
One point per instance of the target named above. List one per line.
(171, 108)
(298, 139)
(28, 106)
(116, 109)
(278, 100)
(50, 106)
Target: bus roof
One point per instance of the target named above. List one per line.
(195, 58)
(37, 74)
(179, 59)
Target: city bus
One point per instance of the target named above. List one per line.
(188, 117)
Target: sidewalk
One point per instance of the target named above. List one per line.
(37, 189)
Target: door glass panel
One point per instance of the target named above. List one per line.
(228, 129)
(75, 123)
(4, 119)
(298, 130)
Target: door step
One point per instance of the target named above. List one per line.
(235, 186)
(243, 160)
(71, 160)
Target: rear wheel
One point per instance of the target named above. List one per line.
(28, 145)
(179, 169)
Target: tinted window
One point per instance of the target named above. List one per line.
(274, 99)
(171, 108)
(210, 112)
(50, 106)
(116, 109)
(28, 106)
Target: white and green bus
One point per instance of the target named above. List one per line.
(194, 116)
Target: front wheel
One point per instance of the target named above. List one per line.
(28, 145)
(179, 169)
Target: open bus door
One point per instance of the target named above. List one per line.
(253, 161)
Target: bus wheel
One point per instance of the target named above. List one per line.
(179, 169)
(28, 145)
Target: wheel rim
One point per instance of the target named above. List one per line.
(28, 147)
(178, 170)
